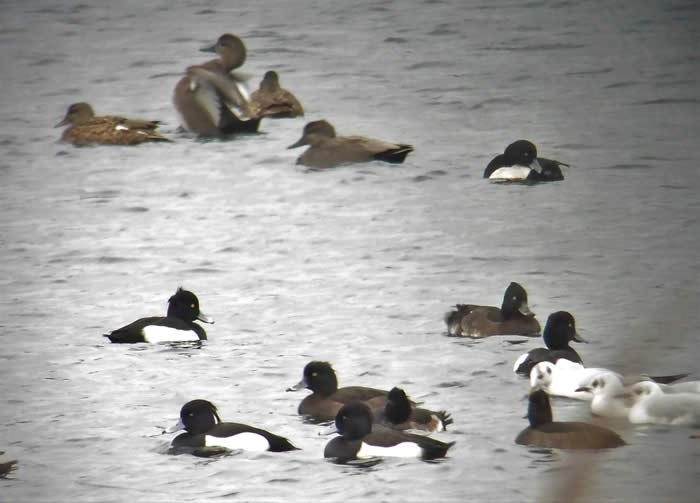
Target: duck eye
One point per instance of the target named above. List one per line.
(549, 371)
(515, 297)
(192, 306)
(595, 383)
(314, 374)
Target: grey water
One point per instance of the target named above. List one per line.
(355, 265)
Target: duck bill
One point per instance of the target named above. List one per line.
(63, 122)
(208, 48)
(204, 318)
(524, 309)
(299, 143)
(578, 338)
(584, 388)
(176, 427)
(300, 385)
(535, 166)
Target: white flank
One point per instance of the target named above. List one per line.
(511, 173)
(246, 441)
(519, 361)
(402, 450)
(156, 333)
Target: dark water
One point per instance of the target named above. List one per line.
(355, 265)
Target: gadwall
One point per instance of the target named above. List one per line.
(205, 95)
(543, 432)
(86, 127)
(326, 150)
(270, 100)
(512, 318)
(519, 162)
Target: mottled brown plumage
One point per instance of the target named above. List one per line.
(86, 127)
(270, 100)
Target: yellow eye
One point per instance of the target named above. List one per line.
(514, 297)
(192, 306)
(314, 374)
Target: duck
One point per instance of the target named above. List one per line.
(559, 330)
(87, 128)
(400, 414)
(177, 326)
(359, 439)
(519, 162)
(544, 432)
(326, 398)
(327, 150)
(512, 318)
(7, 466)
(205, 433)
(652, 406)
(271, 100)
(211, 98)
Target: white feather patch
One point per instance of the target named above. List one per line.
(246, 441)
(402, 450)
(510, 173)
(156, 333)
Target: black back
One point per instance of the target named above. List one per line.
(183, 310)
(201, 418)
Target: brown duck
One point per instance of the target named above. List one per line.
(543, 432)
(211, 99)
(326, 150)
(86, 127)
(270, 100)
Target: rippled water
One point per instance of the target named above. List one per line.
(356, 265)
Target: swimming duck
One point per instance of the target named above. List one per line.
(205, 95)
(400, 414)
(544, 432)
(7, 466)
(270, 100)
(359, 438)
(519, 162)
(86, 128)
(559, 330)
(203, 429)
(327, 399)
(177, 326)
(326, 150)
(512, 318)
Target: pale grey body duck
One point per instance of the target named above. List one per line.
(327, 150)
